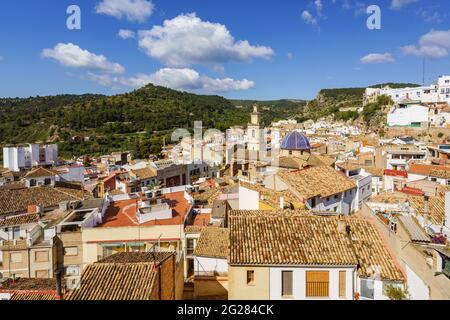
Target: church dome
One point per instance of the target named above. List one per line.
(295, 141)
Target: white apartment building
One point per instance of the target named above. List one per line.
(411, 115)
(33, 155)
(437, 92)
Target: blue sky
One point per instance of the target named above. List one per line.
(239, 49)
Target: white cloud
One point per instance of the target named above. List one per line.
(187, 40)
(178, 79)
(71, 55)
(377, 58)
(309, 18)
(431, 15)
(132, 10)
(290, 55)
(319, 6)
(434, 44)
(398, 4)
(126, 34)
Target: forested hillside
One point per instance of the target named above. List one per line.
(139, 120)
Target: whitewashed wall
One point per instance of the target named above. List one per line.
(248, 199)
(299, 283)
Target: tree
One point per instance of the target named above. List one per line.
(87, 161)
(396, 292)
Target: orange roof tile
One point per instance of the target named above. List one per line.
(123, 213)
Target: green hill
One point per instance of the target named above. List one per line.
(138, 121)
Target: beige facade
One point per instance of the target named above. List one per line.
(29, 262)
(72, 257)
(240, 289)
(167, 237)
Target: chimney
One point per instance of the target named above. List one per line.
(32, 208)
(281, 203)
(58, 278)
(341, 226)
(426, 209)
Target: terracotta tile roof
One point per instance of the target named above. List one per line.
(193, 229)
(309, 240)
(116, 281)
(19, 220)
(389, 198)
(271, 197)
(30, 289)
(18, 200)
(348, 166)
(40, 173)
(145, 173)
(436, 206)
(123, 213)
(34, 296)
(319, 159)
(317, 181)
(428, 169)
(443, 174)
(270, 213)
(374, 171)
(137, 257)
(213, 243)
(292, 163)
(207, 196)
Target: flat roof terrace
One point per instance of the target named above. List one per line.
(123, 213)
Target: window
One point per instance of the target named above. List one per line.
(42, 274)
(328, 199)
(71, 251)
(342, 283)
(250, 277)
(287, 283)
(367, 288)
(32, 183)
(15, 257)
(317, 284)
(41, 256)
(16, 233)
(47, 181)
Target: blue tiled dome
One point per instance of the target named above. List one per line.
(295, 141)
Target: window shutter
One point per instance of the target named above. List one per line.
(287, 283)
(342, 283)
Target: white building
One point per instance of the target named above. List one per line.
(437, 92)
(412, 115)
(33, 155)
(288, 256)
(362, 179)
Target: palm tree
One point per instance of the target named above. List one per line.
(154, 185)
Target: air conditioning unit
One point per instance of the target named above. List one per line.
(72, 271)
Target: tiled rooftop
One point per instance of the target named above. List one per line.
(19, 220)
(320, 181)
(430, 170)
(40, 173)
(123, 213)
(271, 197)
(213, 243)
(137, 257)
(115, 281)
(18, 200)
(309, 240)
